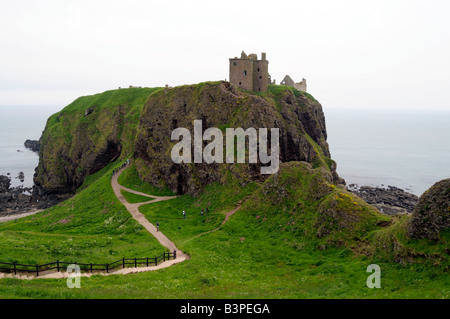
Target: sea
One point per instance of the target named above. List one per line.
(381, 148)
(405, 149)
(17, 124)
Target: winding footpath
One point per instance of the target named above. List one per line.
(140, 218)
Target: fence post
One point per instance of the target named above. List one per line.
(107, 269)
(91, 268)
(147, 261)
(37, 270)
(15, 272)
(174, 254)
(57, 265)
(135, 262)
(164, 256)
(156, 261)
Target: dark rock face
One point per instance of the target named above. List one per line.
(24, 199)
(85, 136)
(390, 201)
(432, 213)
(222, 105)
(33, 145)
(5, 182)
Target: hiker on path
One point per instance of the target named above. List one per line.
(157, 226)
(184, 214)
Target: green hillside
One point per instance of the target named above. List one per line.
(296, 234)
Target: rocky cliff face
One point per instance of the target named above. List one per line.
(95, 130)
(86, 136)
(298, 116)
(432, 213)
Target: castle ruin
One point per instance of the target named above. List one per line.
(249, 73)
(301, 86)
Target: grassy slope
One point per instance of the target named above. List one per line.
(259, 253)
(134, 198)
(93, 226)
(289, 240)
(130, 179)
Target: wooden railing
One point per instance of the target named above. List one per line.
(60, 265)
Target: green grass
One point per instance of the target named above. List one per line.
(130, 179)
(93, 226)
(268, 249)
(134, 198)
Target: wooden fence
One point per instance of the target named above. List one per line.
(60, 265)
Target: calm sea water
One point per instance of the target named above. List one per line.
(410, 150)
(407, 149)
(17, 124)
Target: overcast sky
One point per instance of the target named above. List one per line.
(354, 54)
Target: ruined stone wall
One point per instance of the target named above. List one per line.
(241, 73)
(301, 86)
(261, 76)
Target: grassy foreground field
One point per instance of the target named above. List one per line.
(257, 254)
(93, 226)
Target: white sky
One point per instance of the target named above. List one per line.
(354, 54)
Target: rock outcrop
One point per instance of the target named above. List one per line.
(5, 182)
(33, 145)
(219, 104)
(389, 201)
(86, 136)
(432, 213)
(93, 131)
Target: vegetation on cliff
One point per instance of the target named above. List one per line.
(297, 233)
(86, 136)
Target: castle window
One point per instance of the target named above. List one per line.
(260, 77)
(234, 63)
(245, 72)
(240, 83)
(258, 69)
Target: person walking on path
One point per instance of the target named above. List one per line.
(201, 212)
(157, 226)
(184, 214)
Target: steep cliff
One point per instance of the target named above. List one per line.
(95, 130)
(86, 136)
(298, 116)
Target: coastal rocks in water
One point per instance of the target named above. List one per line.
(24, 199)
(21, 177)
(390, 201)
(431, 215)
(33, 145)
(5, 182)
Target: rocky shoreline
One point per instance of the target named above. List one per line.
(21, 200)
(390, 201)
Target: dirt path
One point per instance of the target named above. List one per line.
(140, 218)
(17, 216)
(227, 216)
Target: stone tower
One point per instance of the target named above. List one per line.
(249, 73)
